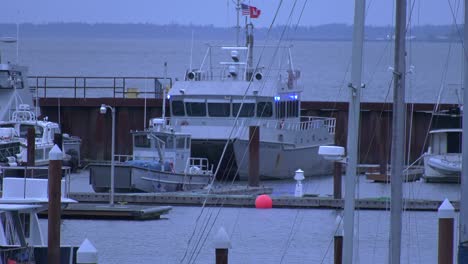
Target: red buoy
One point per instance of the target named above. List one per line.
(263, 202)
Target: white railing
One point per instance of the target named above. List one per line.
(198, 166)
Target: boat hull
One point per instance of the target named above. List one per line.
(280, 161)
(135, 179)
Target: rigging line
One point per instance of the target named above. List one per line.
(282, 36)
(290, 236)
(459, 33)
(232, 130)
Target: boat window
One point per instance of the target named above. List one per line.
(39, 154)
(5, 79)
(180, 142)
(219, 109)
(18, 79)
(280, 109)
(195, 109)
(24, 131)
(293, 108)
(178, 108)
(141, 141)
(170, 142)
(454, 142)
(264, 109)
(248, 109)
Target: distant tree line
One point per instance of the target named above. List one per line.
(322, 32)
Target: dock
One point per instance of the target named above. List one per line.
(119, 211)
(248, 200)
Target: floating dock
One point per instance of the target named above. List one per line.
(118, 211)
(248, 200)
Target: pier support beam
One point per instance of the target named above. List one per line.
(446, 215)
(31, 149)
(54, 184)
(338, 241)
(254, 156)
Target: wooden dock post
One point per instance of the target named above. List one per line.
(338, 242)
(254, 156)
(446, 215)
(222, 244)
(54, 184)
(337, 173)
(31, 141)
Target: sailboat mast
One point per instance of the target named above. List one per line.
(238, 8)
(398, 133)
(353, 129)
(463, 246)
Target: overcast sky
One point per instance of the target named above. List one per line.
(217, 12)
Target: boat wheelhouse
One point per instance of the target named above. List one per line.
(216, 104)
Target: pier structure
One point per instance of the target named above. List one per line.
(74, 103)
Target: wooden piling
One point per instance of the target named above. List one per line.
(446, 215)
(31, 148)
(54, 184)
(254, 156)
(222, 243)
(338, 240)
(337, 173)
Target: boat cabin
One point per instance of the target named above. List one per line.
(162, 145)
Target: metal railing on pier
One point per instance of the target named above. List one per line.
(98, 87)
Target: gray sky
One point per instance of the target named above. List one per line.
(216, 12)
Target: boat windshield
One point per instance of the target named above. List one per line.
(178, 108)
(248, 109)
(24, 131)
(264, 109)
(195, 108)
(141, 141)
(219, 109)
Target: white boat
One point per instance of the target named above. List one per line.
(443, 158)
(160, 162)
(217, 102)
(21, 237)
(17, 128)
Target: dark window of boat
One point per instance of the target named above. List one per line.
(178, 108)
(281, 109)
(195, 109)
(5, 79)
(264, 109)
(248, 109)
(19, 79)
(180, 142)
(293, 108)
(24, 130)
(219, 109)
(39, 154)
(454, 142)
(170, 142)
(141, 141)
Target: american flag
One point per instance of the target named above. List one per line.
(245, 10)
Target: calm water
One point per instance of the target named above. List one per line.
(268, 236)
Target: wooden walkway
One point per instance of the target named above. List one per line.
(248, 200)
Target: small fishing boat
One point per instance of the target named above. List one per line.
(160, 162)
